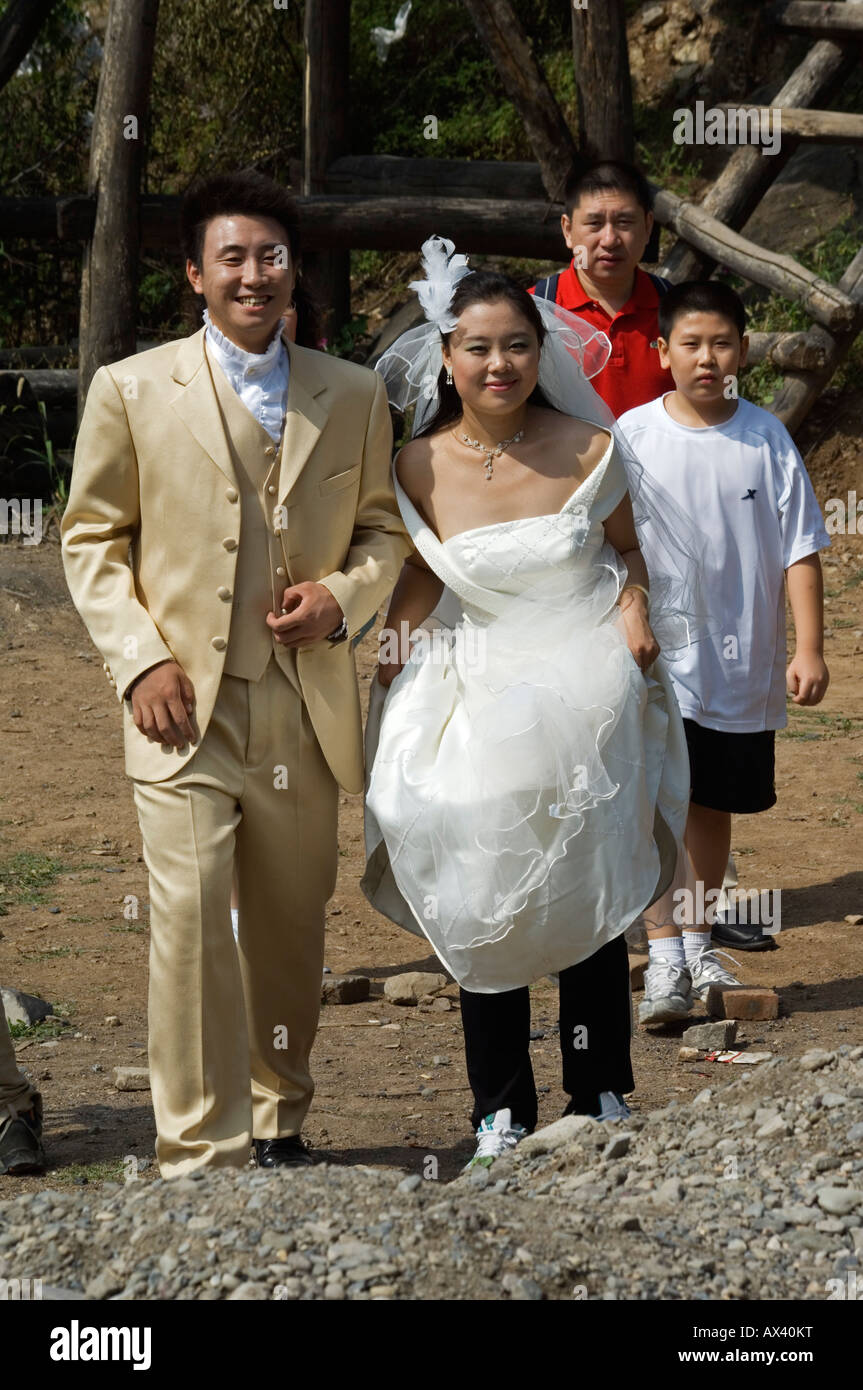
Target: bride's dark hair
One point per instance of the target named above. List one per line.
(483, 287)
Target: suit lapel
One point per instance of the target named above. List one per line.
(305, 417)
(197, 405)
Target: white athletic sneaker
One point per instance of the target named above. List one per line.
(612, 1107)
(495, 1136)
(667, 992)
(707, 970)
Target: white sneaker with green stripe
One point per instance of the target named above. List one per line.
(496, 1136)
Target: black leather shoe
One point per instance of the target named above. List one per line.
(740, 936)
(290, 1152)
(21, 1142)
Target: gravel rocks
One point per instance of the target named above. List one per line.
(728, 1196)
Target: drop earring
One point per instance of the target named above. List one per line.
(449, 376)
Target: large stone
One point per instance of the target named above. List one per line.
(345, 989)
(24, 1008)
(132, 1078)
(743, 1002)
(412, 986)
(838, 1201)
(711, 1036)
(554, 1136)
(816, 1058)
(617, 1146)
(669, 1193)
(772, 1128)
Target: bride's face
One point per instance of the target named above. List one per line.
(493, 353)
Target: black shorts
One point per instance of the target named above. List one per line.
(731, 772)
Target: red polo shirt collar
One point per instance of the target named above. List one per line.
(632, 375)
(572, 294)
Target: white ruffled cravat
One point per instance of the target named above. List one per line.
(260, 379)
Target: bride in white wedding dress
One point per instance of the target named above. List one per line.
(529, 777)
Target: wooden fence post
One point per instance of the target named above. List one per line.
(109, 283)
(601, 58)
(327, 35)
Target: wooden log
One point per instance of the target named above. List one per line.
(513, 227)
(55, 386)
(19, 29)
(32, 357)
(387, 174)
(748, 174)
(602, 80)
(109, 284)
(826, 303)
(796, 351)
(795, 122)
(327, 39)
(800, 391)
(835, 21)
(493, 227)
(525, 84)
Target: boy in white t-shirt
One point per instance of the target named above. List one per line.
(734, 468)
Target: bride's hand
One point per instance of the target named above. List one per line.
(637, 631)
(387, 672)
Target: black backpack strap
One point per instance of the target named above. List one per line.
(547, 289)
(661, 284)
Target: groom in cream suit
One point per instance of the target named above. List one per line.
(231, 524)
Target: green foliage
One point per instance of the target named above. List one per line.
(771, 313)
(345, 341)
(26, 875)
(39, 1032)
(675, 167)
(45, 110)
(453, 80)
(227, 90)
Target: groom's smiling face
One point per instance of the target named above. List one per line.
(246, 276)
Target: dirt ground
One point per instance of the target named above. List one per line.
(385, 1096)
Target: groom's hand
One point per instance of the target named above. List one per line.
(309, 614)
(163, 703)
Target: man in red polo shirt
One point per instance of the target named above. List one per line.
(607, 225)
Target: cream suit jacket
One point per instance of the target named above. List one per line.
(151, 528)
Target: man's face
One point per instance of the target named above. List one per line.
(246, 277)
(613, 229)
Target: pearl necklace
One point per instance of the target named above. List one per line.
(493, 452)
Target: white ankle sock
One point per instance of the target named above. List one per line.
(235, 921)
(694, 942)
(669, 948)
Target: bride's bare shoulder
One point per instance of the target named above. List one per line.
(589, 441)
(415, 466)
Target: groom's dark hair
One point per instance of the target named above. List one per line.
(607, 176)
(246, 193)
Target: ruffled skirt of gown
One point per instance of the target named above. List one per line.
(528, 788)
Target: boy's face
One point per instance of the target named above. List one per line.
(613, 229)
(702, 353)
(246, 277)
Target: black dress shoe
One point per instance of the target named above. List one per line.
(740, 936)
(290, 1152)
